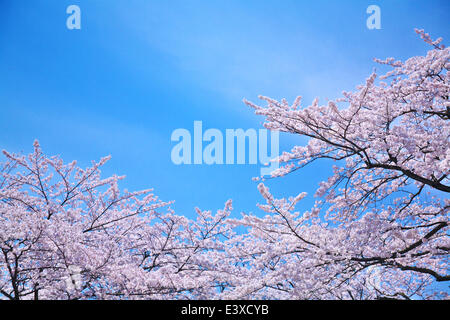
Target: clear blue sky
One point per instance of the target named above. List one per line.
(137, 70)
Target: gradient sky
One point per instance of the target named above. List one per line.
(137, 70)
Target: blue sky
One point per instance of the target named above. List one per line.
(137, 70)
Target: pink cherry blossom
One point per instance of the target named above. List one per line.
(380, 228)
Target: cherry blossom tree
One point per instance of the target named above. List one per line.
(67, 233)
(379, 228)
